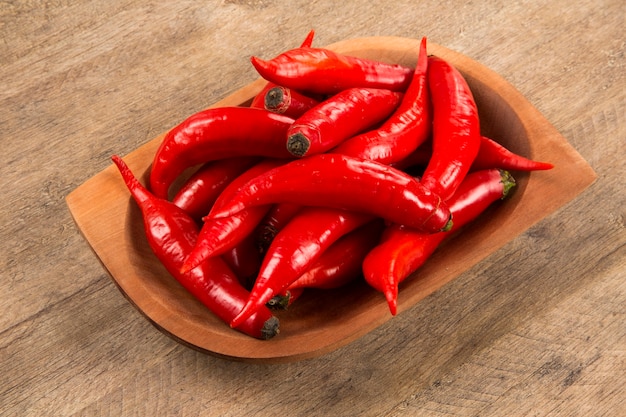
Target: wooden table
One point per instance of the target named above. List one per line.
(538, 328)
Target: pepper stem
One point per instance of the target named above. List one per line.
(279, 301)
(271, 328)
(448, 225)
(508, 183)
(298, 144)
(276, 100)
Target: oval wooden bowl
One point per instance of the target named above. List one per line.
(322, 321)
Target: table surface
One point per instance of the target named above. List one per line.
(537, 328)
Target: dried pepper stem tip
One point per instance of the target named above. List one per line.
(271, 328)
(277, 100)
(298, 144)
(279, 301)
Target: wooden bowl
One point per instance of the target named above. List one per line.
(322, 321)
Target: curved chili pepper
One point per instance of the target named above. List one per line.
(402, 250)
(347, 183)
(490, 155)
(200, 191)
(171, 234)
(342, 261)
(293, 250)
(217, 133)
(322, 71)
(405, 130)
(456, 129)
(219, 235)
(339, 117)
(493, 155)
(336, 266)
(277, 217)
(326, 221)
(287, 101)
(259, 101)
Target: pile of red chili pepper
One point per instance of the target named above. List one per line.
(340, 169)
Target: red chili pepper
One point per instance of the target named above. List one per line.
(293, 250)
(403, 250)
(259, 101)
(277, 217)
(214, 134)
(342, 261)
(493, 155)
(406, 129)
(200, 191)
(337, 266)
(343, 182)
(322, 71)
(490, 155)
(327, 220)
(171, 234)
(283, 100)
(219, 235)
(456, 129)
(341, 116)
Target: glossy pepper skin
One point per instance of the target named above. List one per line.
(403, 250)
(322, 71)
(490, 155)
(342, 262)
(171, 234)
(347, 183)
(260, 100)
(456, 129)
(289, 102)
(339, 117)
(493, 155)
(217, 133)
(200, 191)
(219, 235)
(405, 130)
(293, 249)
(336, 266)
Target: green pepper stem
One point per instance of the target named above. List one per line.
(508, 183)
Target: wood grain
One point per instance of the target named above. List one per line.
(534, 329)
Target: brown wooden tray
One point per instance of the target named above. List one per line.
(322, 321)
